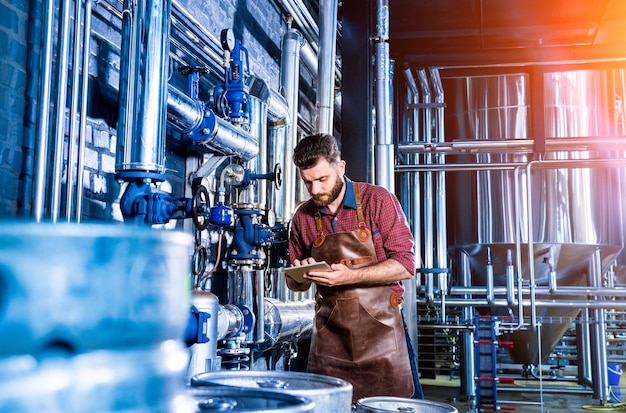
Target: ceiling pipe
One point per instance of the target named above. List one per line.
(326, 66)
(384, 148)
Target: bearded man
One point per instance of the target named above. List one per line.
(361, 231)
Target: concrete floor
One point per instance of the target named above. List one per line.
(524, 397)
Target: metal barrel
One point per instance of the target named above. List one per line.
(243, 400)
(330, 394)
(398, 404)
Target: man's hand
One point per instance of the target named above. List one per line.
(339, 275)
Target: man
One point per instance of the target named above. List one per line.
(359, 229)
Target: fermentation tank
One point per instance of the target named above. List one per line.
(567, 212)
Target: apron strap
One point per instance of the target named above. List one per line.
(320, 234)
(363, 233)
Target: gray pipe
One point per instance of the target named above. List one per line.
(289, 81)
(597, 334)
(384, 149)
(326, 66)
(74, 108)
(440, 176)
(83, 108)
(43, 110)
(411, 191)
(60, 106)
(186, 114)
(469, 366)
(143, 86)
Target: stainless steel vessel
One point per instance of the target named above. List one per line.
(330, 394)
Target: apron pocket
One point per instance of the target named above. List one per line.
(351, 333)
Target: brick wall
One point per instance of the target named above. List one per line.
(13, 26)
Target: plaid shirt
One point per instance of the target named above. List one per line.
(383, 216)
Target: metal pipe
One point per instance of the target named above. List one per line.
(230, 139)
(440, 188)
(544, 303)
(143, 86)
(468, 367)
(43, 110)
(74, 108)
(566, 291)
(60, 106)
(289, 80)
(510, 279)
(583, 341)
(384, 153)
(411, 190)
(597, 334)
(83, 108)
(571, 144)
(326, 66)
(185, 114)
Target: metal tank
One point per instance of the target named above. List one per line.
(92, 318)
(243, 400)
(398, 404)
(330, 394)
(552, 203)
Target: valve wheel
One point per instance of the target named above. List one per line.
(201, 208)
(278, 176)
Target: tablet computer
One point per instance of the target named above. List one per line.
(297, 272)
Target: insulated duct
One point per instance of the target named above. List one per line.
(289, 81)
(384, 149)
(143, 86)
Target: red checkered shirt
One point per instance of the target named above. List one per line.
(383, 216)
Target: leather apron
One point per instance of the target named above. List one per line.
(359, 333)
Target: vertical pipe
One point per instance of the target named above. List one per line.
(440, 196)
(43, 110)
(384, 152)
(258, 130)
(83, 109)
(289, 81)
(468, 368)
(428, 177)
(583, 341)
(599, 366)
(60, 105)
(326, 66)
(74, 107)
(410, 183)
(143, 86)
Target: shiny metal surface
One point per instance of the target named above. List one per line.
(330, 394)
(233, 399)
(143, 86)
(397, 404)
(571, 264)
(88, 287)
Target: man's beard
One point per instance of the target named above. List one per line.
(323, 200)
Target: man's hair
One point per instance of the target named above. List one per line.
(311, 149)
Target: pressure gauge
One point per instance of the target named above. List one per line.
(227, 38)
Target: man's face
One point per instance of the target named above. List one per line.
(324, 181)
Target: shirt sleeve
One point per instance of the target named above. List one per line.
(297, 247)
(397, 240)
